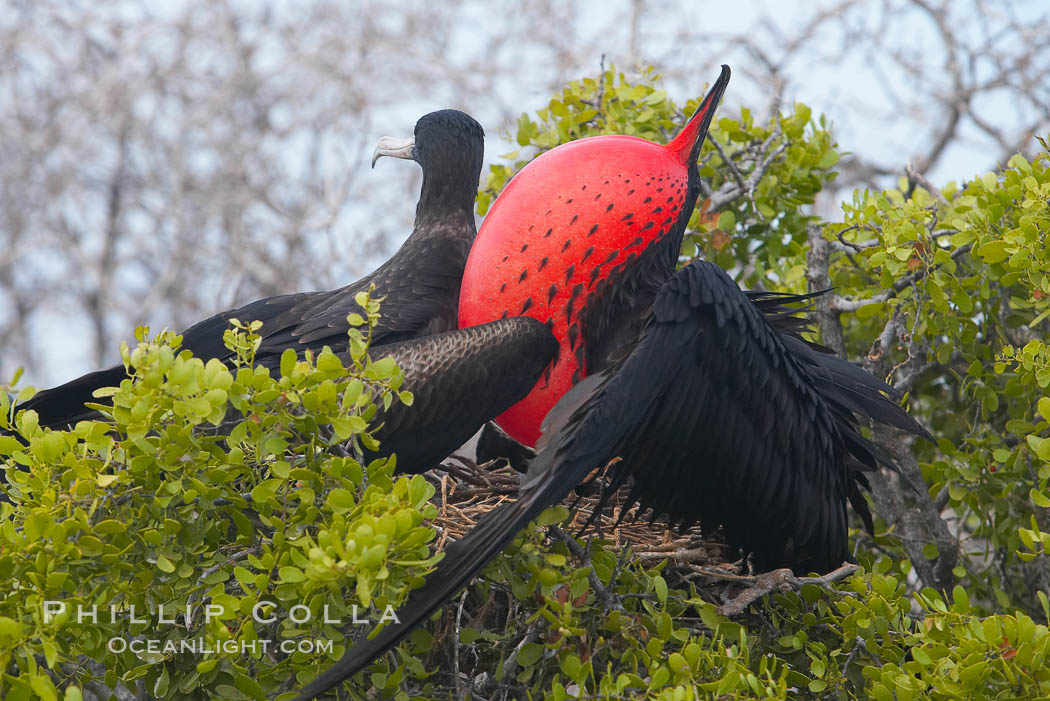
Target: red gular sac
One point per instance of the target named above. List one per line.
(571, 218)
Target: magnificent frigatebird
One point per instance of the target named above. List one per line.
(720, 412)
(418, 325)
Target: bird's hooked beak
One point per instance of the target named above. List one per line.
(398, 148)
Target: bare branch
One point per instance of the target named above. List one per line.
(777, 581)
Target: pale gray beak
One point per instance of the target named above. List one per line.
(389, 146)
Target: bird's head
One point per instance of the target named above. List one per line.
(449, 146)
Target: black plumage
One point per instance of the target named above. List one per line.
(495, 444)
(723, 415)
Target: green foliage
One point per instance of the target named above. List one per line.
(862, 640)
(974, 264)
(223, 491)
(551, 634)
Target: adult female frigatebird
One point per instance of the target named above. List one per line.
(720, 412)
(418, 325)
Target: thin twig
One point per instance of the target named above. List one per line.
(460, 693)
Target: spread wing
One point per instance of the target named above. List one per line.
(724, 425)
(459, 380)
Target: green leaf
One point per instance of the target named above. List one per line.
(9, 444)
(109, 527)
(869, 311)
(829, 159)
(288, 361)
(160, 686)
(340, 500)
(348, 426)
(44, 687)
(529, 654)
(553, 515)
(660, 586)
(1041, 446)
(993, 251)
(291, 574)
(249, 686)
(10, 630)
(1044, 407)
(384, 367)
(655, 98)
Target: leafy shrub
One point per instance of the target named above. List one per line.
(224, 492)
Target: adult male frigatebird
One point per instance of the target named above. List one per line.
(418, 323)
(720, 412)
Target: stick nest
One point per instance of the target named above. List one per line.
(466, 491)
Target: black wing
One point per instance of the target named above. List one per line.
(419, 284)
(460, 380)
(61, 407)
(717, 416)
(731, 422)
